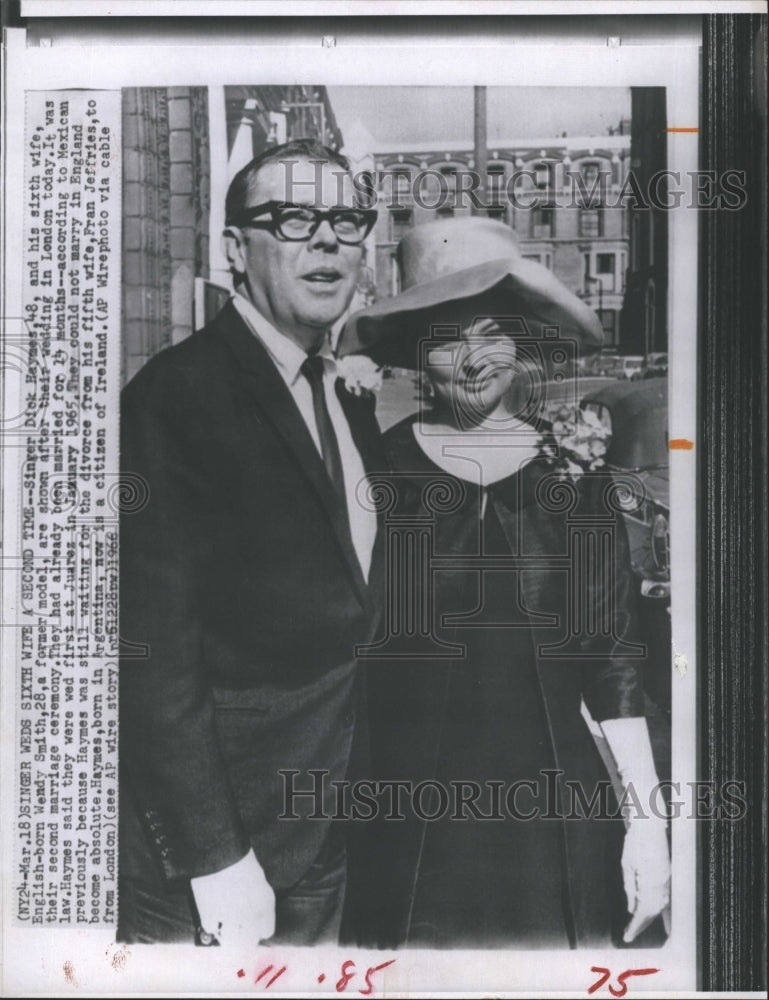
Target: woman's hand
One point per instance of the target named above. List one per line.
(645, 873)
(645, 855)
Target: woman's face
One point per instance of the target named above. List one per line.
(472, 374)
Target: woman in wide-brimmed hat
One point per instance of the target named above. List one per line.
(509, 603)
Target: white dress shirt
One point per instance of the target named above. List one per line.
(288, 358)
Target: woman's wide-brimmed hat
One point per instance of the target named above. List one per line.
(452, 260)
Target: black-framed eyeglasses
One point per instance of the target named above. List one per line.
(299, 223)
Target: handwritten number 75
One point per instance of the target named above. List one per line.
(606, 974)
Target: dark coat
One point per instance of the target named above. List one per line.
(242, 601)
(583, 627)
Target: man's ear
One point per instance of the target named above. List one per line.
(233, 248)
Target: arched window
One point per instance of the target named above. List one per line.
(496, 183)
(450, 175)
(401, 186)
(590, 170)
(591, 183)
(402, 180)
(544, 180)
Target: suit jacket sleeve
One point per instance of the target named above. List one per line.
(169, 745)
(613, 673)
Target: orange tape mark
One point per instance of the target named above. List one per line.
(680, 444)
(682, 130)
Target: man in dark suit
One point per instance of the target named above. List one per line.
(244, 579)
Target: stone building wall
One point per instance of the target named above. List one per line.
(166, 198)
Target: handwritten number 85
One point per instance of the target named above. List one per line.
(348, 972)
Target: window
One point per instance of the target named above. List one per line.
(590, 222)
(450, 185)
(496, 184)
(543, 179)
(542, 223)
(591, 184)
(401, 187)
(542, 176)
(402, 181)
(604, 265)
(450, 176)
(401, 219)
(608, 318)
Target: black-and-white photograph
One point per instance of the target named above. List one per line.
(399, 592)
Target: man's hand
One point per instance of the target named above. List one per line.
(645, 873)
(237, 904)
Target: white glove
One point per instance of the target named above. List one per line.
(645, 854)
(237, 904)
(645, 873)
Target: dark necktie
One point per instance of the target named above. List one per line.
(312, 369)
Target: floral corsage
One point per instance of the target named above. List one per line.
(576, 443)
(360, 374)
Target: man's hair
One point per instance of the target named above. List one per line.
(297, 149)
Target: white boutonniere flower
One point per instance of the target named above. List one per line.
(577, 442)
(360, 374)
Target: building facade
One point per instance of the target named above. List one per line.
(560, 196)
(175, 177)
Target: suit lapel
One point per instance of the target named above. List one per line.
(359, 411)
(277, 404)
(367, 437)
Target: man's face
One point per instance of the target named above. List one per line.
(302, 288)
